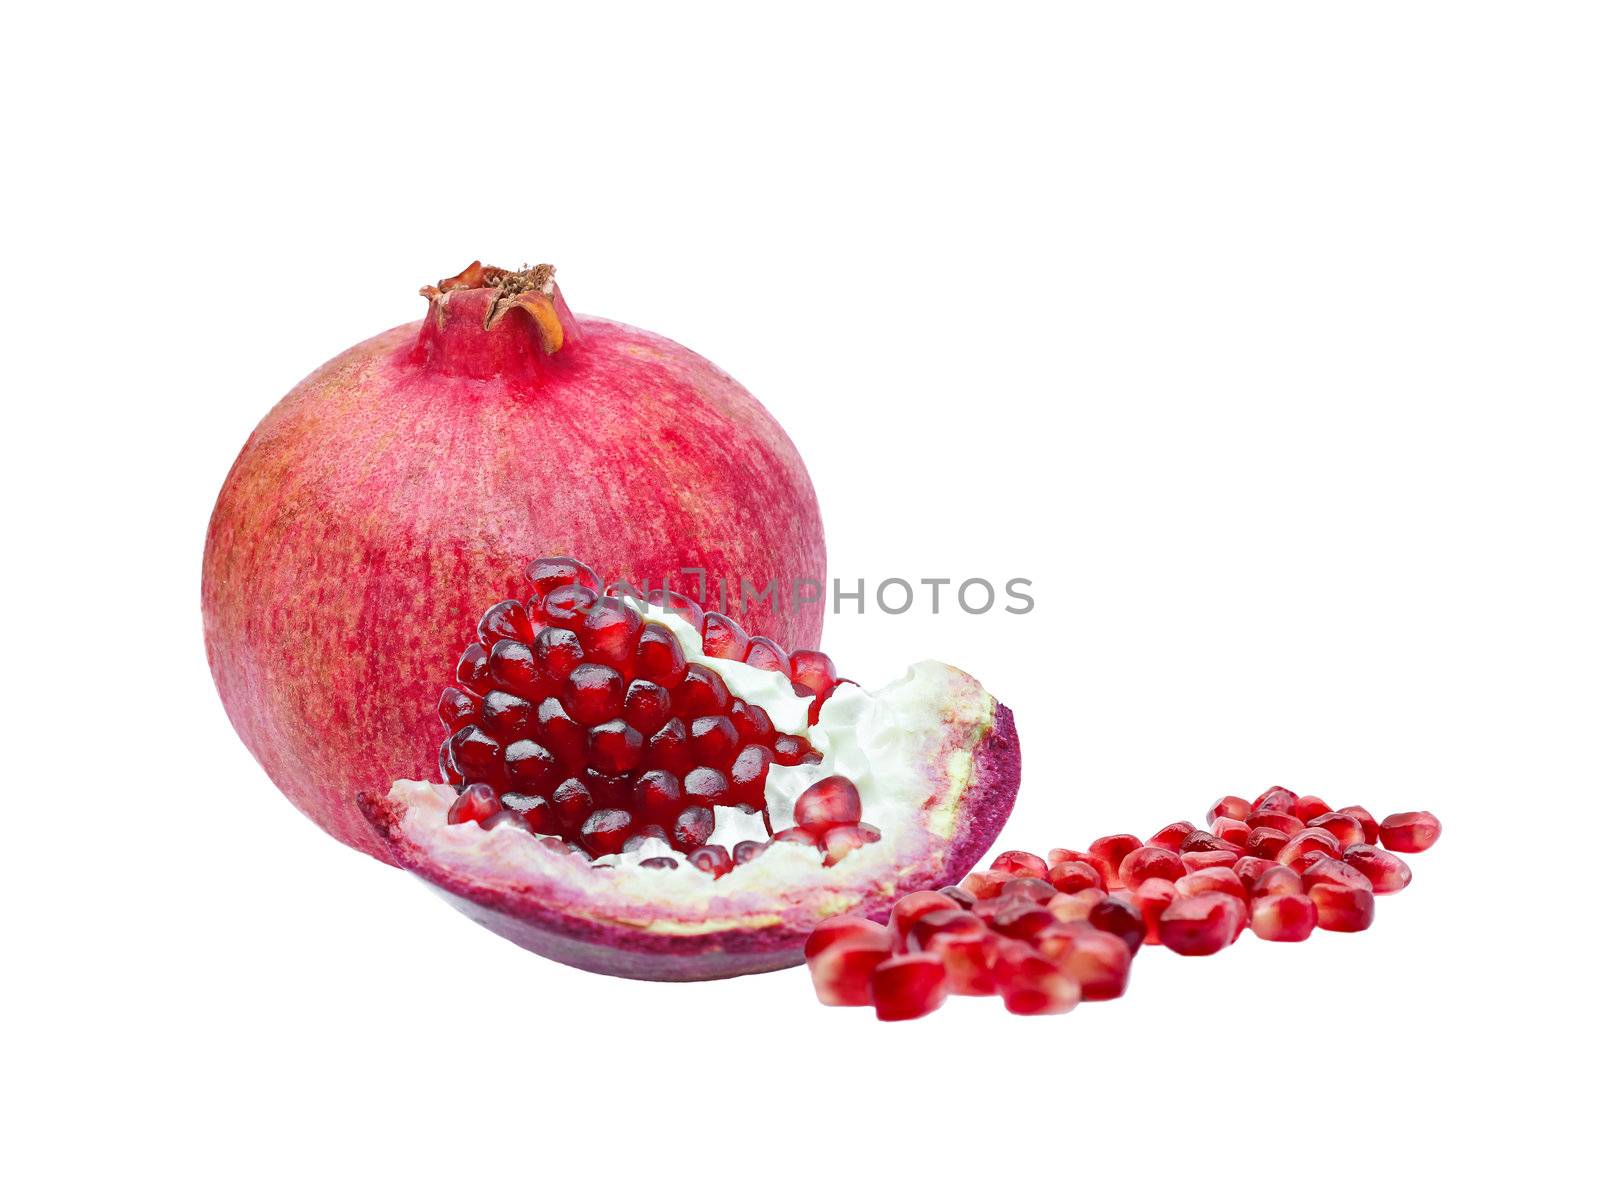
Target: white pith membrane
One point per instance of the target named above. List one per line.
(883, 741)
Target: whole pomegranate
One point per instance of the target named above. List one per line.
(410, 480)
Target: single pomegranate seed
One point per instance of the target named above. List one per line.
(606, 830)
(1208, 859)
(1075, 907)
(1149, 862)
(556, 653)
(1069, 877)
(908, 909)
(693, 827)
(1329, 869)
(708, 786)
(1021, 919)
(830, 801)
(658, 657)
(1283, 918)
(745, 850)
(752, 722)
(668, 749)
(530, 768)
(841, 840)
(1035, 890)
(1310, 806)
(1105, 868)
(1280, 799)
(1250, 869)
(792, 750)
(457, 707)
(1265, 843)
(1285, 823)
(812, 672)
(507, 819)
(678, 604)
(1369, 823)
(615, 748)
(534, 809)
(658, 794)
(477, 802)
(1342, 908)
(506, 716)
(1201, 842)
(1171, 837)
(1409, 833)
(796, 836)
(1113, 850)
(1097, 960)
(748, 775)
(950, 921)
(609, 631)
(1235, 808)
(985, 884)
(713, 740)
(1217, 878)
(766, 653)
(1384, 870)
(646, 706)
(722, 637)
(592, 693)
(842, 927)
(507, 620)
(1199, 925)
(1152, 899)
(1278, 880)
(908, 986)
(1233, 832)
(702, 691)
(565, 606)
(1021, 864)
(546, 574)
(1346, 830)
(968, 958)
(472, 670)
(475, 754)
(572, 803)
(1028, 983)
(1306, 846)
(959, 895)
(842, 973)
(643, 834)
(1121, 918)
(712, 859)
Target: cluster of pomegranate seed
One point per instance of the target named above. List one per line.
(1045, 933)
(578, 720)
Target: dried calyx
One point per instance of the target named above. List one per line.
(532, 289)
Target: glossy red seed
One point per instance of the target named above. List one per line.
(1250, 869)
(1070, 877)
(506, 716)
(1409, 833)
(751, 721)
(546, 574)
(796, 836)
(1233, 807)
(831, 801)
(1369, 823)
(1035, 890)
(1283, 821)
(1387, 872)
(658, 657)
(711, 859)
(722, 637)
(1104, 867)
(1200, 925)
(1310, 806)
(507, 819)
(1112, 850)
(530, 767)
(1021, 919)
(713, 740)
(1304, 847)
(841, 927)
(702, 691)
(959, 895)
(1149, 862)
(812, 672)
(457, 708)
(748, 775)
(1217, 878)
(641, 835)
(507, 620)
(605, 831)
(1028, 983)
(534, 809)
(968, 958)
(678, 604)
(592, 693)
(766, 653)
(842, 973)
(1074, 907)
(1283, 918)
(1233, 832)
(1122, 918)
(557, 652)
(472, 670)
(1207, 859)
(646, 706)
(572, 803)
(1097, 960)
(668, 749)
(512, 666)
(908, 909)
(1280, 799)
(1152, 899)
(615, 748)
(746, 850)
(1342, 908)
(693, 827)
(1200, 842)
(707, 786)
(1278, 880)
(985, 884)
(950, 921)
(476, 754)
(1265, 843)
(792, 750)
(1346, 829)
(1329, 869)
(842, 840)
(1170, 837)
(908, 986)
(477, 802)
(565, 606)
(1021, 864)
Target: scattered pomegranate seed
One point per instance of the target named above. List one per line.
(1199, 925)
(985, 884)
(1285, 823)
(1409, 833)
(840, 841)
(1233, 807)
(745, 850)
(1250, 869)
(1074, 907)
(1266, 843)
(1097, 861)
(1112, 850)
(830, 801)
(1021, 919)
(1310, 806)
(908, 986)
(1306, 846)
(964, 898)
(1121, 918)
(1283, 918)
(1020, 864)
(910, 908)
(1346, 830)
(1170, 837)
(1369, 823)
(1387, 872)
(1278, 880)
(1149, 862)
(1233, 832)
(1207, 859)
(1152, 899)
(843, 927)
(1034, 890)
(1201, 842)
(1280, 799)
(1342, 908)
(1217, 878)
(1070, 877)
(1098, 961)
(842, 973)
(1329, 869)
(953, 921)
(968, 960)
(1030, 984)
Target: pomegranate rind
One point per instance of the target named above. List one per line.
(660, 925)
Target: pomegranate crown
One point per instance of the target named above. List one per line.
(532, 289)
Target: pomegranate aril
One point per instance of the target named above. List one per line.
(722, 637)
(707, 786)
(1387, 872)
(1170, 837)
(1149, 862)
(447, 768)
(565, 606)
(1285, 823)
(658, 657)
(693, 827)
(1121, 918)
(830, 801)
(1202, 842)
(1096, 860)
(1200, 925)
(1329, 869)
(606, 830)
(1098, 961)
(593, 693)
(646, 706)
(1217, 878)
(765, 653)
(1035, 890)
(948, 921)
(530, 767)
(1342, 908)
(794, 835)
(842, 973)
(1250, 869)
(1208, 859)
(572, 803)
(472, 670)
(476, 754)
(960, 896)
(660, 862)
(840, 841)
(512, 666)
(745, 850)
(615, 748)
(1074, 907)
(968, 958)
(751, 721)
(1307, 807)
(668, 749)
(1028, 983)
(812, 672)
(1280, 799)
(908, 909)
(535, 810)
(702, 691)
(506, 716)
(507, 819)
(1233, 807)
(556, 652)
(560, 570)
(985, 884)
(1070, 877)
(748, 775)
(1283, 918)
(457, 707)
(791, 751)
(1278, 880)
(678, 604)
(1112, 850)
(1021, 864)
(507, 620)
(713, 740)
(563, 736)
(1369, 823)
(1409, 833)
(609, 631)
(908, 986)
(477, 802)
(844, 927)
(1346, 829)
(1306, 846)
(1231, 831)
(1266, 843)
(1152, 899)
(641, 835)
(712, 859)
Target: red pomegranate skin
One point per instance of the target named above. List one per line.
(408, 482)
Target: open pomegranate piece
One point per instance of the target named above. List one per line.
(637, 787)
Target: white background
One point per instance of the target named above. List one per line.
(1260, 336)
